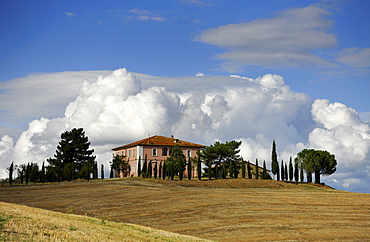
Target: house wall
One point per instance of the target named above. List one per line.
(132, 155)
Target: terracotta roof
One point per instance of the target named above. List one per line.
(158, 140)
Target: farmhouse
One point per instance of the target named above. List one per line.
(157, 149)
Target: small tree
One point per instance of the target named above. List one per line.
(119, 164)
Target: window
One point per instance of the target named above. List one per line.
(129, 153)
(154, 152)
(134, 152)
(164, 152)
(189, 153)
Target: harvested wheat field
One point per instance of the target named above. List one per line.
(221, 210)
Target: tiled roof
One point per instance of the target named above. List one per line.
(158, 140)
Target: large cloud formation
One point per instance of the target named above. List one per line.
(123, 107)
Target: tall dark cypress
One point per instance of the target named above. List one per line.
(278, 173)
(199, 168)
(274, 161)
(286, 172)
(249, 170)
(189, 169)
(11, 168)
(243, 169)
(42, 175)
(164, 170)
(145, 166)
(291, 171)
(139, 167)
(257, 172)
(155, 170)
(282, 171)
(28, 170)
(150, 169)
(102, 171)
(160, 170)
(301, 175)
(296, 173)
(264, 172)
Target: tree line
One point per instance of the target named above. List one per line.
(74, 159)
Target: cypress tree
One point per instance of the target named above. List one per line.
(139, 167)
(199, 168)
(301, 175)
(150, 169)
(264, 172)
(286, 172)
(278, 172)
(42, 175)
(257, 174)
(249, 170)
(111, 173)
(274, 161)
(231, 169)
(296, 172)
(172, 170)
(309, 177)
(155, 170)
(236, 171)
(282, 171)
(164, 167)
(28, 173)
(243, 169)
(189, 169)
(102, 171)
(291, 171)
(11, 168)
(160, 170)
(145, 166)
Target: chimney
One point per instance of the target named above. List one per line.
(172, 136)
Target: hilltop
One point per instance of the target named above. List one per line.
(222, 210)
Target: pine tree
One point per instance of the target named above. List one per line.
(243, 169)
(224, 170)
(291, 171)
(231, 169)
(282, 171)
(189, 169)
(257, 172)
(274, 161)
(102, 171)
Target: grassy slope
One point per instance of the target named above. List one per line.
(223, 210)
(22, 223)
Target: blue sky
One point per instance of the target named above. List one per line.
(162, 38)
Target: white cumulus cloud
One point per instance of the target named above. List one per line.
(122, 107)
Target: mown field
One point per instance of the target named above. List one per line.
(221, 210)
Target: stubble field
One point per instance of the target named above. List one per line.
(221, 210)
